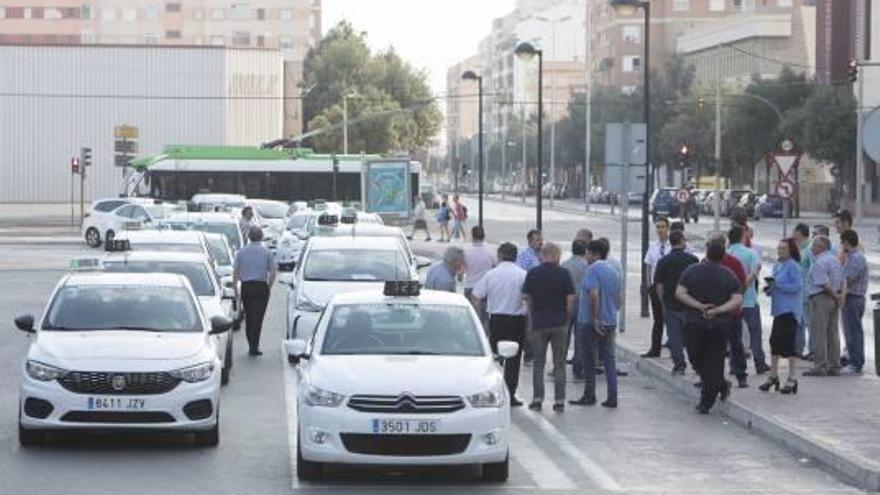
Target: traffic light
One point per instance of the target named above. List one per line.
(852, 71)
(685, 152)
(85, 157)
(701, 103)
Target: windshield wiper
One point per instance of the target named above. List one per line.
(414, 353)
(141, 329)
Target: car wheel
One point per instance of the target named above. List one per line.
(109, 236)
(93, 237)
(208, 438)
(30, 438)
(497, 472)
(307, 470)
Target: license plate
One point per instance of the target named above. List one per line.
(406, 426)
(115, 404)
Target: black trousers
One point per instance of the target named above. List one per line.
(706, 342)
(255, 299)
(513, 328)
(657, 314)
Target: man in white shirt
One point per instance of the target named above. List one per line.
(419, 221)
(478, 260)
(502, 289)
(656, 251)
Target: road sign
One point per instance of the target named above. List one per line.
(871, 130)
(787, 146)
(125, 146)
(125, 132)
(785, 189)
(683, 195)
(786, 162)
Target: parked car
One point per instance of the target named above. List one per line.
(769, 205)
(747, 203)
(108, 217)
(733, 197)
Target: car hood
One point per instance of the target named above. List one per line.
(392, 375)
(321, 292)
(116, 345)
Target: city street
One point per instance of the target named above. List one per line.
(653, 443)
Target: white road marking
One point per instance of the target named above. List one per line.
(560, 441)
(536, 463)
(290, 403)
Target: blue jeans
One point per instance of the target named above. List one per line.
(606, 347)
(752, 317)
(675, 333)
(853, 333)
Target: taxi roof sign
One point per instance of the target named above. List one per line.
(117, 245)
(402, 288)
(85, 264)
(328, 219)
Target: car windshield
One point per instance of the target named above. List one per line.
(297, 222)
(167, 247)
(196, 273)
(162, 210)
(352, 265)
(154, 309)
(219, 251)
(406, 329)
(272, 210)
(227, 229)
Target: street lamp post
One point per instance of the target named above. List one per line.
(527, 51)
(628, 8)
(472, 76)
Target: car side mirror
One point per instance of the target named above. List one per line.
(296, 348)
(220, 324)
(422, 262)
(228, 292)
(25, 323)
(507, 349)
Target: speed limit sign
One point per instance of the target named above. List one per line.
(785, 189)
(683, 195)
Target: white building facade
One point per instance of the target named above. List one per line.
(58, 99)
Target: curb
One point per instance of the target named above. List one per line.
(851, 468)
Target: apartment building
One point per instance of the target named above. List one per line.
(461, 104)
(290, 26)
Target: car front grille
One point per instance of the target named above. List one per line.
(405, 445)
(89, 382)
(405, 403)
(117, 417)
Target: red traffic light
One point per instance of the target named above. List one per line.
(685, 151)
(852, 70)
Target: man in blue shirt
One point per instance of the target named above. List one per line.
(825, 286)
(530, 257)
(751, 313)
(597, 318)
(855, 270)
(442, 275)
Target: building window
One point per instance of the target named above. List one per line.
(172, 7)
(681, 5)
(744, 4)
(152, 12)
(172, 35)
(217, 40)
(286, 15)
(151, 38)
(285, 43)
(261, 14)
(632, 63)
(198, 14)
(28, 13)
(241, 38)
(628, 89)
(716, 5)
(218, 14)
(52, 13)
(87, 37)
(129, 13)
(85, 12)
(108, 14)
(785, 3)
(241, 11)
(2, 12)
(261, 40)
(632, 34)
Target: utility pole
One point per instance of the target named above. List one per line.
(860, 136)
(718, 140)
(588, 138)
(525, 168)
(552, 180)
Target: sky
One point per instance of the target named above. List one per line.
(429, 34)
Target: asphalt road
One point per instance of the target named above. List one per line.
(652, 443)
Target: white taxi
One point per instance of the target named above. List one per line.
(401, 378)
(121, 352)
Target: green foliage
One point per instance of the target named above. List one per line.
(390, 106)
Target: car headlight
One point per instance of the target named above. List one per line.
(193, 374)
(494, 397)
(324, 398)
(44, 372)
(303, 303)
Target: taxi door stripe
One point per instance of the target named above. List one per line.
(540, 468)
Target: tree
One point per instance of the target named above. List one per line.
(390, 106)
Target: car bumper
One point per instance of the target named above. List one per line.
(332, 423)
(172, 404)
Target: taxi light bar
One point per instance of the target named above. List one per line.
(117, 245)
(402, 288)
(348, 219)
(328, 220)
(86, 264)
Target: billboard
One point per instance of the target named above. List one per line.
(387, 187)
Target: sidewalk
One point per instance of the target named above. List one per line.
(834, 420)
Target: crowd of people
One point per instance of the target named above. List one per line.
(708, 308)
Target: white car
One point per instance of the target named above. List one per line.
(273, 215)
(214, 299)
(393, 379)
(336, 265)
(172, 241)
(218, 201)
(121, 352)
(108, 217)
(215, 222)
